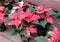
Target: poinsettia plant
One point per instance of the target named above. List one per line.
(27, 19)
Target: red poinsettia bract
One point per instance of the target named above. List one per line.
(1, 9)
(55, 35)
(32, 17)
(30, 30)
(48, 18)
(41, 9)
(17, 19)
(1, 14)
(18, 6)
(1, 18)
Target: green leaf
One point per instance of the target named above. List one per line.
(56, 15)
(16, 0)
(2, 27)
(43, 23)
(13, 28)
(7, 3)
(6, 19)
(20, 27)
(32, 9)
(48, 25)
(13, 33)
(6, 10)
(41, 39)
(24, 38)
(22, 32)
(51, 13)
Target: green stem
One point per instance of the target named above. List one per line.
(32, 38)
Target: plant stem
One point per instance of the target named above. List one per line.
(32, 38)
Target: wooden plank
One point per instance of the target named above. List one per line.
(11, 38)
(3, 39)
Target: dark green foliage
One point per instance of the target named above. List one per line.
(43, 23)
(41, 39)
(32, 8)
(6, 20)
(2, 27)
(53, 13)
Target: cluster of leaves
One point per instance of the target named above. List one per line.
(26, 19)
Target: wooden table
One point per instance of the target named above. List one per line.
(5, 37)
